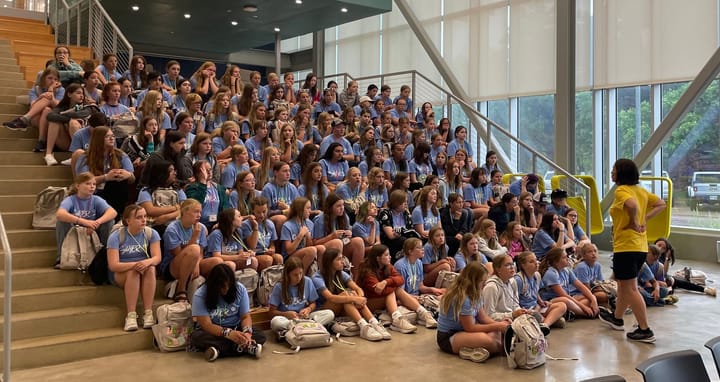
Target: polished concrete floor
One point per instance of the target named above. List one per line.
(415, 357)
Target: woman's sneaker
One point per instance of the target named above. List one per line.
(148, 319)
(40, 146)
(369, 333)
(16, 124)
(50, 160)
(710, 291)
(254, 349)
(608, 318)
(131, 322)
(642, 335)
(211, 354)
(671, 299)
(381, 329)
(427, 320)
(474, 354)
(403, 326)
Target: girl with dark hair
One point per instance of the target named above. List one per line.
(505, 211)
(173, 151)
(334, 166)
(332, 229)
(70, 71)
(296, 235)
(131, 265)
(60, 133)
(469, 252)
(478, 194)
(137, 73)
(313, 188)
(456, 221)
(280, 192)
(108, 69)
(338, 292)
(227, 244)
(373, 158)
(396, 163)
(490, 164)
(138, 147)
(308, 154)
(550, 234)
(395, 221)
(420, 166)
(257, 113)
(632, 207)
(265, 232)
(221, 309)
(460, 142)
(295, 297)
(352, 191)
(311, 85)
(365, 142)
(402, 183)
(425, 215)
(562, 286)
(383, 286)
(246, 101)
(160, 198)
(202, 150)
(112, 168)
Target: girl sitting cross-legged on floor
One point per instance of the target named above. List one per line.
(561, 285)
(528, 282)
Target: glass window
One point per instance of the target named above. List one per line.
(633, 120)
(499, 112)
(536, 129)
(583, 133)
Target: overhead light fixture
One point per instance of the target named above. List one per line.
(250, 8)
(234, 23)
(277, 29)
(298, 1)
(343, 10)
(135, 8)
(187, 15)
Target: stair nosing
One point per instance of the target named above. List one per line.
(60, 312)
(69, 338)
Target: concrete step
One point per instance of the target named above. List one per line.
(47, 277)
(53, 322)
(31, 300)
(13, 108)
(28, 158)
(21, 238)
(14, 91)
(13, 83)
(24, 25)
(40, 172)
(78, 53)
(22, 144)
(32, 132)
(10, 68)
(6, 53)
(10, 98)
(17, 203)
(32, 186)
(17, 220)
(12, 34)
(72, 347)
(8, 61)
(32, 257)
(11, 75)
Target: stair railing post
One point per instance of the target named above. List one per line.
(7, 302)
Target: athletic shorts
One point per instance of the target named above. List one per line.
(626, 265)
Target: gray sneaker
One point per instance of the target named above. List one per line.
(253, 349)
(474, 354)
(403, 326)
(381, 329)
(369, 333)
(211, 354)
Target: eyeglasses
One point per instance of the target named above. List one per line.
(109, 137)
(572, 215)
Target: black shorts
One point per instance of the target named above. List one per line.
(443, 341)
(626, 265)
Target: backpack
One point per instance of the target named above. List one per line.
(691, 275)
(445, 278)
(79, 249)
(346, 327)
(192, 286)
(525, 343)
(431, 303)
(172, 331)
(249, 278)
(268, 278)
(386, 319)
(47, 203)
(307, 334)
(124, 125)
(163, 197)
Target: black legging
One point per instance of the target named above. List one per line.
(226, 348)
(687, 285)
(116, 195)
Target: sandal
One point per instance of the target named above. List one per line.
(180, 296)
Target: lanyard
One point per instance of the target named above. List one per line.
(239, 241)
(338, 284)
(144, 246)
(262, 235)
(413, 275)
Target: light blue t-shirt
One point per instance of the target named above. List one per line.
(587, 274)
(81, 139)
(290, 231)
(432, 254)
(135, 247)
(528, 294)
(275, 193)
(234, 202)
(421, 171)
(144, 196)
(334, 172)
(113, 110)
(266, 235)
(379, 198)
(227, 179)
(448, 323)
(254, 149)
(412, 274)
(479, 195)
(90, 208)
(318, 230)
(563, 277)
(227, 315)
(428, 221)
(165, 124)
(542, 243)
(82, 166)
(216, 243)
(363, 230)
(176, 236)
(346, 145)
(454, 146)
(297, 303)
(461, 263)
(319, 283)
(314, 197)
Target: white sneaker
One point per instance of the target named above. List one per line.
(403, 326)
(50, 160)
(131, 324)
(426, 318)
(148, 319)
(369, 333)
(474, 354)
(66, 162)
(381, 329)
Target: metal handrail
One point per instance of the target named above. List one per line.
(484, 133)
(7, 300)
(98, 31)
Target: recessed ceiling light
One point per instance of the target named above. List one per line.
(298, 1)
(277, 29)
(234, 23)
(135, 8)
(250, 8)
(343, 10)
(187, 15)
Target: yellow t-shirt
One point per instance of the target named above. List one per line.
(628, 240)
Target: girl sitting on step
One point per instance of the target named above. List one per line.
(133, 252)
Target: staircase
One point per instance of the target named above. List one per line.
(58, 316)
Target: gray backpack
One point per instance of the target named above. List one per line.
(268, 278)
(249, 278)
(47, 203)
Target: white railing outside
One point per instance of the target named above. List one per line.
(7, 302)
(86, 23)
